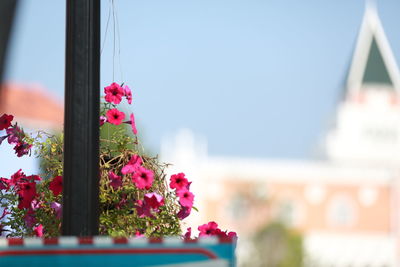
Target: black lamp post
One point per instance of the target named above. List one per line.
(81, 121)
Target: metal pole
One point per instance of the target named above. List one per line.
(7, 13)
(81, 121)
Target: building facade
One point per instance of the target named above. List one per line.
(347, 206)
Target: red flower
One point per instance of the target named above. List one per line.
(26, 192)
(132, 165)
(56, 185)
(22, 148)
(128, 94)
(185, 198)
(38, 230)
(114, 116)
(154, 200)
(114, 93)
(208, 229)
(5, 121)
(16, 177)
(178, 181)
(143, 178)
(115, 180)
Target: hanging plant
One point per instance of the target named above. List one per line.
(136, 196)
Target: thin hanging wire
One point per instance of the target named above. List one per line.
(105, 34)
(113, 8)
(119, 47)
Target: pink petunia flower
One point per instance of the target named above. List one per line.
(5, 121)
(178, 181)
(138, 234)
(188, 233)
(128, 93)
(57, 208)
(56, 185)
(132, 165)
(208, 229)
(38, 230)
(114, 116)
(143, 178)
(115, 180)
(102, 120)
(185, 197)
(14, 134)
(114, 93)
(154, 200)
(132, 123)
(184, 212)
(143, 209)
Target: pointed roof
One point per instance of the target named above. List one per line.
(373, 61)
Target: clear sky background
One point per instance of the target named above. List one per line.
(257, 78)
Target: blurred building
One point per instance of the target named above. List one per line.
(33, 106)
(346, 206)
(34, 109)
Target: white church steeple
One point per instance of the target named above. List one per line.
(368, 119)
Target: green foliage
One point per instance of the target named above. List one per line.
(276, 246)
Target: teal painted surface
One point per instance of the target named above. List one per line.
(222, 251)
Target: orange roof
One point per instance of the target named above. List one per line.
(32, 106)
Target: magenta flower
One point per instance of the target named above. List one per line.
(115, 180)
(132, 123)
(5, 121)
(188, 233)
(232, 235)
(138, 234)
(154, 200)
(38, 230)
(102, 120)
(143, 178)
(29, 219)
(114, 116)
(22, 148)
(208, 229)
(185, 198)
(14, 134)
(132, 165)
(143, 209)
(114, 93)
(178, 181)
(128, 94)
(184, 212)
(57, 208)
(56, 185)
(36, 204)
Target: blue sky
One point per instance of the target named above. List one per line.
(257, 78)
